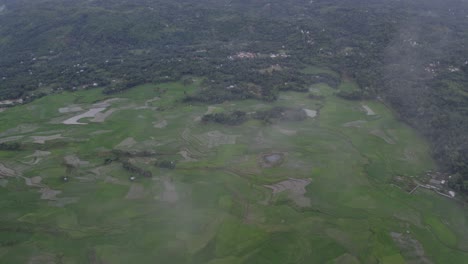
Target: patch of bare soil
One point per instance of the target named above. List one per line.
(94, 112)
(381, 134)
(46, 192)
(34, 181)
(410, 248)
(186, 155)
(295, 188)
(49, 194)
(43, 139)
(160, 124)
(136, 191)
(357, 123)
(6, 172)
(74, 161)
(36, 157)
(216, 138)
(271, 159)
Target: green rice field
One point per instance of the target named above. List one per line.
(318, 190)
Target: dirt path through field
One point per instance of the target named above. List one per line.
(368, 110)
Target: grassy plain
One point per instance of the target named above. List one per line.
(214, 206)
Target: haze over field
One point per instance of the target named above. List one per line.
(241, 131)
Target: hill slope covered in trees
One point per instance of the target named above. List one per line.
(412, 55)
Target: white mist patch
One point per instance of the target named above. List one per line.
(310, 113)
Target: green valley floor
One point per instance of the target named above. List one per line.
(139, 178)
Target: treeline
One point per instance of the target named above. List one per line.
(10, 146)
(128, 166)
(231, 118)
(277, 113)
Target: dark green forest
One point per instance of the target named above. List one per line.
(412, 55)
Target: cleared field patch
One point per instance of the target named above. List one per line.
(90, 113)
(295, 188)
(44, 139)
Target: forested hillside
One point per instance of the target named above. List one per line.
(410, 54)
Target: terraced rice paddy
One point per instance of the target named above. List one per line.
(313, 191)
